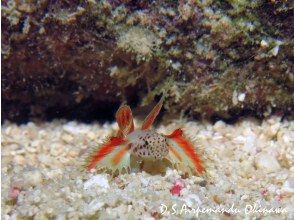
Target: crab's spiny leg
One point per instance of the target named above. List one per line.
(103, 151)
(183, 150)
(152, 115)
(119, 155)
(175, 153)
(124, 120)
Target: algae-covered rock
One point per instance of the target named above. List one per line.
(79, 59)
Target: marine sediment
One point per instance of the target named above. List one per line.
(248, 164)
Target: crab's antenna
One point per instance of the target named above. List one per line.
(152, 115)
(124, 120)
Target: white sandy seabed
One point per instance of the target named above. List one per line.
(250, 174)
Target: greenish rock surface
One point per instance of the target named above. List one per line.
(208, 58)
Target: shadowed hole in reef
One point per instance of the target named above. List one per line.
(85, 112)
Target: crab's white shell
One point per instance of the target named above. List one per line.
(148, 144)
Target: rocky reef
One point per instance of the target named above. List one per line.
(81, 59)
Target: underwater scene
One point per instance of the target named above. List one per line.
(147, 109)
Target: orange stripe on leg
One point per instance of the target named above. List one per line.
(117, 157)
(104, 150)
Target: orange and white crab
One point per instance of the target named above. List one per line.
(145, 144)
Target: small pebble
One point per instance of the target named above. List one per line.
(33, 178)
(266, 162)
(289, 185)
(94, 205)
(98, 180)
(45, 159)
(241, 97)
(19, 159)
(73, 153)
(67, 138)
(192, 200)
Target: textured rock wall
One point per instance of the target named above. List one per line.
(81, 59)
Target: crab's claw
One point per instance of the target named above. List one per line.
(152, 115)
(112, 155)
(181, 151)
(124, 120)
